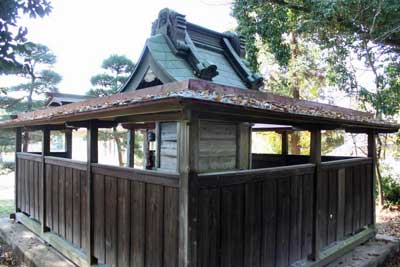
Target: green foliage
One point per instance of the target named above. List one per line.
(117, 70)
(331, 140)
(391, 189)
(12, 36)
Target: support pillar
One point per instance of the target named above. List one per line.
(130, 151)
(373, 156)
(18, 143)
(68, 143)
(45, 152)
(315, 158)
(92, 157)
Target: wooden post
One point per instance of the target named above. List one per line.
(285, 144)
(45, 152)
(130, 151)
(92, 157)
(18, 141)
(315, 158)
(145, 148)
(188, 195)
(68, 143)
(373, 156)
(25, 141)
(244, 146)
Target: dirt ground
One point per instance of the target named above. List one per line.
(388, 223)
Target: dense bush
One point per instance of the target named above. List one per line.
(391, 190)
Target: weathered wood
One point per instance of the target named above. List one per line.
(130, 150)
(45, 150)
(283, 223)
(124, 222)
(170, 231)
(372, 154)
(315, 157)
(285, 143)
(341, 203)
(244, 146)
(68, 163)
(18, 143)
(138, 224)
(110, 220)
(269, 206)
(98, 217)
(68, 143)
(30, 156)
(296, 207)
(92, 157)
(168, 146)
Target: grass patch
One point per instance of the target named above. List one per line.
(6, 207)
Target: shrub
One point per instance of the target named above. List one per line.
(391, 190)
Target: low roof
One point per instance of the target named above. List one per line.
(206, 97)
(59, 99)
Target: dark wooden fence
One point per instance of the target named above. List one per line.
(136, 217)
(256, 217)
(345, 199)
(135, 212)
(277, 160)
(29, 186)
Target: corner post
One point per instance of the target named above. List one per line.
(68, 143)
(315, 158)
(45, 152)
(188, 194)
(285, 147)
(130, 151)
(92, 157)
(373, 156)
(18, 143)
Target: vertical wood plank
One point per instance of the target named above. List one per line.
(348, 229)
(49, 195)
(138, 223)
(55, 198)
(124, 222)
(341, 203)
(252, 224)
(283, 222)
(362, 195)
(44, 180)
(111, 223)
(31, 188)
(372, 154)
(307, 218)
(84, 212)
(209, 227)
(295, 218)
(68, 204)
(369, 189)
(269, 208)
(61, 201)
(98, 218)
(323, 199)
(76, 207)
(357, 200)
(332, 211)
(315, 157)
(171, 222)
(154, 227)
(18, 143)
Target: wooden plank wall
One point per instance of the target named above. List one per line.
(255, 218)
(66, 195)
(168, 146)
(29, 185)
(345, 198)
(217, 146)
(136, 217)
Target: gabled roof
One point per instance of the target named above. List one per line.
(60, 99)
(206, 97)
(179, 50)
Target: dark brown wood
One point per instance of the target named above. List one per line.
(98, 217)
(372, 154)
(18, 143)
(341, 203)
(171, 222)
(45, 150)
(285, 143)
(68, 143)
(269, 205)
(92, 157)
(315, 157)
(76, 205)
(138, 224)
(111, 220)
(124, 222)
(130, 162)
(89, 123)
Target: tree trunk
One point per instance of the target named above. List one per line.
(119, 147)
(381, 197)
(295, 88)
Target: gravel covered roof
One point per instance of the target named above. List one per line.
(206, 92)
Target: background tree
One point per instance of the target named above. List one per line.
(12, 36)
(117, 71)
(347, 32)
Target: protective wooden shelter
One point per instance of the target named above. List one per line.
(204, 199)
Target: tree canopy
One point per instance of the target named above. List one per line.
(12, 36)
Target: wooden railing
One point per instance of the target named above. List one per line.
(274, 206)
(135, 212)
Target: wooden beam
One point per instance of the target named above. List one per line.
(18, 143)
(45, 152)
(139, 126)
(285, 143)
(315, 158)
(68, 143)
(86, 124)
(92, 157)
(25, 141)
(372, 154)
(130, 150)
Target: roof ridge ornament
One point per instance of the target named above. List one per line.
(173, 26)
